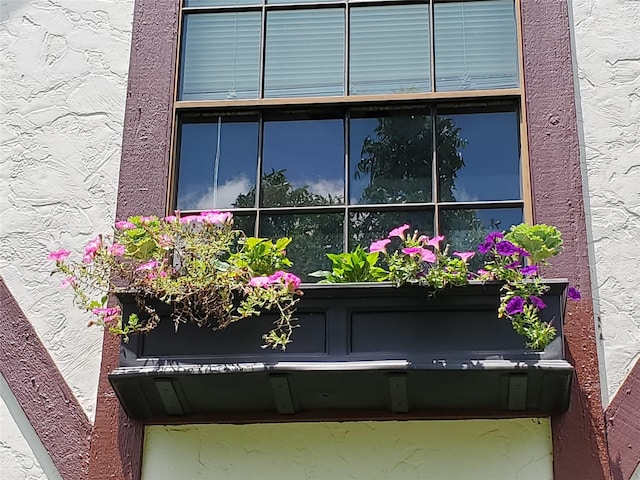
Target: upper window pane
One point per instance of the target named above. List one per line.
(304, 53)
(218, 162)
(389, 49)
(219, 3)
(390, 158)
(303, 163)
(220, 56)
(479, 157)
(475, 45)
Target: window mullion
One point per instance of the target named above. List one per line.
(256, 205)
(263, 46)
(347, 159)
(434, 170)
(432, 47)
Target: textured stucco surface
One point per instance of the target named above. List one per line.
(608, 73)
(63, 80)
(429, 450)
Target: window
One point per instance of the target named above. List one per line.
(335, 121)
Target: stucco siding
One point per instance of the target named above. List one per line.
(608, 74)
(497, 449)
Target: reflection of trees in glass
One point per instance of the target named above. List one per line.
(313, 235)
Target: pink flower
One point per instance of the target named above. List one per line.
(425, 254)
(67, 282)
(124, 225)
(259, 282)
(191, 218)
(147, 219)
(216, 218)
(153, 275)
(465, 256)
(435, 241)
(399, 231)
(165, 241)
(150, 265)
(117, 250)
(412, 251)
(109, 315)
(289, 279)
(423, 239)
(170, 218)
(59, 255)
(91, 249)
(379, 246)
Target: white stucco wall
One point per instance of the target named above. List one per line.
(517, 449)
(608, 75)
(63, 78)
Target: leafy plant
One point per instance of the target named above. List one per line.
(355, 266)
(540, 241)
(199, 264)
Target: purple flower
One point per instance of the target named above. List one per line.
(399, 231)
(379, 246)
(522, 252)
(492, 236)
(513, 266)
(506, 248)
(573, 294)
(485, 247)
(465, 256)
(515, 305)
(537, 302)
(529, 270)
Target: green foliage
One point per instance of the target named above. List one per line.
(541, 241)
(207, 271)
(355, 266)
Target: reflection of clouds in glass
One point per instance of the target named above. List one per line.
(461, 194)
(326, 187)
(225, 197)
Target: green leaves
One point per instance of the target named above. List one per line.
(356, 266)
(541, 241)
(261, 255)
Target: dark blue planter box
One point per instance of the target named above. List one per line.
(360, 348)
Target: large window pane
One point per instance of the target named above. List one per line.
(220, 56)
(219, 3)
(389, 50)
(217, 165)
(479, 157)
(475, 45)
(304, 53)
(314, 235)
(367, 227)
(390, 157)
(303, 163)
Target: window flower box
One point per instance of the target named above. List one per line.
(367, 348)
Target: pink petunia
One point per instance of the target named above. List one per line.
(170, 218)
(399, 231)
(412, 251)
(59, 255)
(192, 218)
(117, 249)
(428, 256)
(124, 225)
(379, 246)
(67, 282)
(150, 265)
(147, 219)
(216, 218)
(465, 256)
(435, 241)
(289, 279)
(259, 282)
(91, 249)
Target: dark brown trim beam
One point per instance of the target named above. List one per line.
(42, 392)
(579, 440)
(623, 426)
(116, 446)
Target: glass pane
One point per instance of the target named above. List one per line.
(219, 3)
(220, 56)
(390, 158)
(464, 230)
(313, 237)
(479, 157)
(217, 165)
(367, 227)
(246, 223)
(303, 163)
(389, 49)
(476, 45)
(304, 53)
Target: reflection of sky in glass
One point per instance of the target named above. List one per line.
(237, 152)
(491, 158)
(311, 152)
(402, 158)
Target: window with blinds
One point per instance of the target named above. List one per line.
(335, 121)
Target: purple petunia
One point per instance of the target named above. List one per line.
(484, 247)
(506, 248)
(529, 270)
(515, 306)
(573, 294)
(537, 302)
